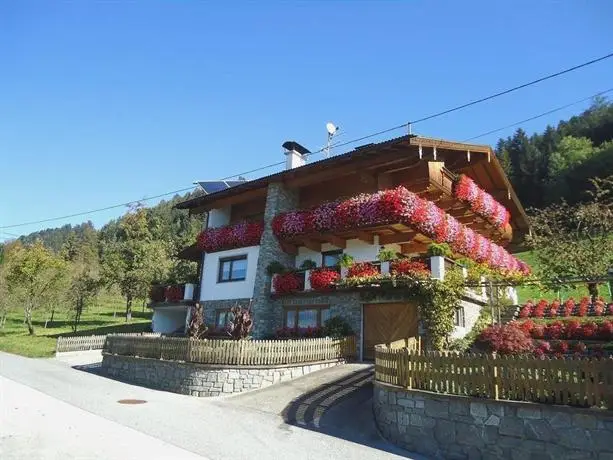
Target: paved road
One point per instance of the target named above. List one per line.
(295, 421)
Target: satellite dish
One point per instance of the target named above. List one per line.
(331, 128)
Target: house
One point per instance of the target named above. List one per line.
(251, 224)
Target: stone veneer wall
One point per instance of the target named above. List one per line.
(456, 427)
(199, 379)
(210, 308)
(265, 315)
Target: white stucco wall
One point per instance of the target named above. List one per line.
(168, 319)
(471, 314)
(358, 249)
(212, 290)
(219, 217)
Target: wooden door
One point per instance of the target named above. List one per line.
(387, 322)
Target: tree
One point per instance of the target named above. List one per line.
(574, 241)
(34, 275)
(134, 260)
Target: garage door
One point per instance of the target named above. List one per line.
(387, 322)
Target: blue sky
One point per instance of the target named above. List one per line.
(107, 102)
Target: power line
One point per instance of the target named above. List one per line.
(115, 206)
(378, 133)
(557, 109)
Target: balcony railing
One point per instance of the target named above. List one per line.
(438, 265)
(173, 294)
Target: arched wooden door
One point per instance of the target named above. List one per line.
(387, 322)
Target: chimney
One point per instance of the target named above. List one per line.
(295, 155)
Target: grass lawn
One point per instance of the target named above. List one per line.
(526, 293)
(105, 316)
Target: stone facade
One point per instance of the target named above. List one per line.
(202, 380)
(210, 308)
(456, 427)
(278, 200)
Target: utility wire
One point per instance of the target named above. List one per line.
(378, 133)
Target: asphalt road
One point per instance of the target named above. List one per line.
(301, 419)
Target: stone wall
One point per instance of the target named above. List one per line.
(210, 308)
(456, 427)
(202, 380)
(265, 316)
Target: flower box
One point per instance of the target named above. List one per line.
(481, 202)
(397, 206)
(239, 235)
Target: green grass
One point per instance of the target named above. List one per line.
(535, 293)
(107, 315)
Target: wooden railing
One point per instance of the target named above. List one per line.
(570, 381)
(233, 352)
(90, 342)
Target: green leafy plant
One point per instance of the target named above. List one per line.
(346, 260)
(308, 264)
(439, 249)
(386, 255)
(275, 268)
(337, 327)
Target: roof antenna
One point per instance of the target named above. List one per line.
(332, 130)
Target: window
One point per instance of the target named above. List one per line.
(232, 269)
(331, 258)
(459, 317)
(222, 318)
(305, 317)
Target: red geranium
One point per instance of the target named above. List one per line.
(526, 310)
(322, 279)
(554, 308)
(286, 283)
(560, 346)
(579, 347)
(527, 326)
(554, 330)
(239, 235)
(406, 267)
(538, 331)
(173, 293)
(362, 270)
(589, 330)
(573, 329)
(539, 310)
(599, 308)
(610, 309)
(505, 339)
(605, 331)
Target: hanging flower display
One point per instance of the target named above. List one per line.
(362, 270)
(481, 202)
(397, 206)
(230, 236)
(322, 279)
(287, 283)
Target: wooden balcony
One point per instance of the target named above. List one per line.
(178, 294)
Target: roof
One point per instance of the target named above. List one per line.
(481, 164)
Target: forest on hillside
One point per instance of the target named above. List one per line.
(130, 253)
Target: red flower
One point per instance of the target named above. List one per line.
(527, 326)
(538, 331)
(173, 293)
(286, 283)
(573, 329)
(554, 308)
(569, 306)
(362, 270)
(589, 330)
(579, 347)
(406, 267)
(234, 236)
(554, 330)
(505, 339)
(526, 310)
(539, 310)
(322, 279)
(605, 331)
(610, 309)
(560, 346)
(599, 308)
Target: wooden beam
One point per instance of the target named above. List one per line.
(397, 238)
(312, 245)
(334, 240)
(368, 238)
(289, 248)
(412, 247)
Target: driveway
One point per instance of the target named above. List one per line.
(300, 419)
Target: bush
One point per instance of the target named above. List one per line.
(505, 339)
(526, 310)
(569, 307)
(337, 327)
(362, 270)
(539, 310)
(413, 269)
(308, 264)
(286, 283)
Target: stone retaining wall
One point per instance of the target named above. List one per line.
(455, 427)
(202, 380)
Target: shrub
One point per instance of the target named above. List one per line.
(337, 327)
(157, 293)
(538, 331)
(527, 326)
(308, 264)
(589, 330)
(554, 330)
(573, 329)
(599, 308)
(505, 339)
(322, 279)
(605, 331)
(275, 268)
(554, 308)
(560, 347)
(526, 310)
(542, 348)
(386, 255)
(286, 283)
(583, 306)
(362, 270)
(579, 347)
(539, 309)
(569, 307)
(241, 324)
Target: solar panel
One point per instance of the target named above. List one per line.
(214, 186)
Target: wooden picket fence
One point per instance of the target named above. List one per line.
(568, 380)
(233, 352)
(91, 342)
